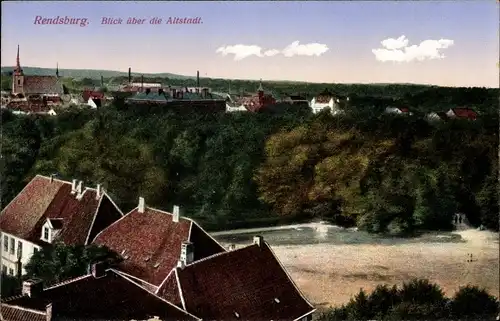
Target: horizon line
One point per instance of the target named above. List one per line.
(256, 80)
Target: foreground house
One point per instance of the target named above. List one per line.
(149, 242)
(103, 294)
(50, 210)
(243, 284)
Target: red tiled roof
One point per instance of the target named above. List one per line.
(404, 109)
(34, 107)
(249, 282)
(110, 297)
(92, 94)
(43, 199)
(464, 113)
(16, 313)
(42, 85)
(150, 243)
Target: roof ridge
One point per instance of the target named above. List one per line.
(218, 254)
(67, 282)
(14, 297)
(42, 312)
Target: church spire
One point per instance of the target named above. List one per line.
(18, 69)
(260, 86)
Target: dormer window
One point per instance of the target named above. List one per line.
(50, 229)
(46, 234)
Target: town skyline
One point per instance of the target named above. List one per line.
(434, 43)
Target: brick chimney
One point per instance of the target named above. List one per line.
(79, 187)
(129, 75)
(48, 312)
(198, 79)
(99, 191)
(176, 214)
(187, 253)
(142, 205)
(32, 288)
(73, 186)
(98, 269)
(259, 240)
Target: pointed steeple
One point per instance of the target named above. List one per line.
(18, 69)
(260, 86)
(57, 70)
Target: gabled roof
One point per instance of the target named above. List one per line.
(247, 284)
(92, 94)
(110, 297)
(45, 198)
(16, 313)
(464, 113)
(150, 243)
(42, 85)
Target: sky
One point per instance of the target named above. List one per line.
(449, 43)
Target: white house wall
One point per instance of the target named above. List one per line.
(10, 260)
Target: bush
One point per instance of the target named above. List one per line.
(473, 301)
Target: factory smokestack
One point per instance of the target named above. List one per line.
(102, 81)
(130, 75)
(198, 79)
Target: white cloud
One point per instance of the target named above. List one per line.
(294, 49)
(271, 52)
(398, 50)
(240, 51)
(310, 49)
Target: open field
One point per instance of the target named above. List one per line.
(329, 274)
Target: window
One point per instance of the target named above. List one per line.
(46, 233)
(19, 249)
(4, 269)
(11, 271)
(12, 246)
(6, 243)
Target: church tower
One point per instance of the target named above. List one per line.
(260, 91)
(18, 77)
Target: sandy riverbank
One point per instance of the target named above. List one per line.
(330, 274)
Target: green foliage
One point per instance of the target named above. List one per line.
(60, 262)
(384, 174)
(472, 301)
(416, 300)
(10, 285)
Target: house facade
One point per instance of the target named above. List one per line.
(50, 210)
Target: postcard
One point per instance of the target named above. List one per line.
(249, 160)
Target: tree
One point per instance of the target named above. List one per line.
(471, 301)
(60, 262)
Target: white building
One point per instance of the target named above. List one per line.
(49, 210)
(326, 100)
(398, 110)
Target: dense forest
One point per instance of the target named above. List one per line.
(379, 172)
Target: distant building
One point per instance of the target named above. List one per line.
(295, 99)
(398, 111)
(436, 116)
(94, 99)
(30, 107)
(257, 101)
(50, 210)
(25, 86)
(462, 113)
(180, 99)
(327, 99)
